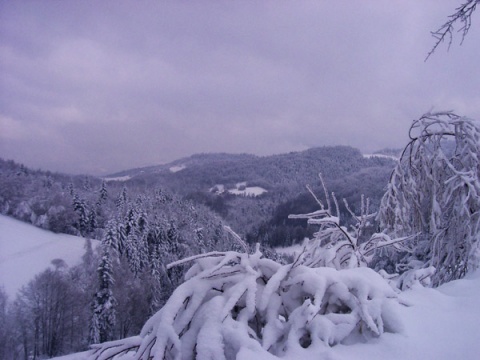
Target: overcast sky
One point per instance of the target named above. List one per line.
(101, 86)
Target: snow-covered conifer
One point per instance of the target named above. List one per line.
(103, 196)
(122, 198)
(80, 207)
(104, 302)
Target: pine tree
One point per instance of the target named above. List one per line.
(122, 198)
(132, 254)
(111, 237)
(80, 207)
(104, 303)
(103, 195)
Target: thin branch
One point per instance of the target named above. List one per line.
(195, 257)
(315, 197)
(463, 14)
(237, 237)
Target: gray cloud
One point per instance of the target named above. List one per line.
(98, 87)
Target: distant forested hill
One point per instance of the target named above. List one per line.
(285, 171)
(253, 193)
(147, 218)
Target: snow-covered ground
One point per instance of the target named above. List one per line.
(240, 188)
(441, 323)
(26, 251)
(177, 168)
(438, 324)
(248, 191)
(368, 156)
(118, 178)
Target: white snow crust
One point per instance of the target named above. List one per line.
(26, 251)
(440, 324)
(248, 191)
(177, 168)
(240, 188)
(369, 156)
(118, 178)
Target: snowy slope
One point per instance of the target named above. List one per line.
(439, 324)
(26, 250)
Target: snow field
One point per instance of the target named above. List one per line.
(440, 324)
(26, 251)
(240, 188)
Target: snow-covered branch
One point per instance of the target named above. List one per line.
(257, 303)
(463, 15)
(333, 245)
(434, 191)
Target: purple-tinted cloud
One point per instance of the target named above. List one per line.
(98, 87)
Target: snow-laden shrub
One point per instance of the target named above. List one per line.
(337, 246)
(434, 191)
(414, 274)
(233, 300)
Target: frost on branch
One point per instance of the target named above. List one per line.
(334, 245)
(434, 191)
(463, 16)
(234, 300)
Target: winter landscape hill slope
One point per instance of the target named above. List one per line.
(202, 171)
(438, 324)
(253, 194)
(26, 250)
(250, 192)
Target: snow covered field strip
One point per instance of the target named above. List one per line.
(248, 191)
(26, 251)
(441, 324)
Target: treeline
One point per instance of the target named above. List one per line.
(144, 224)
(116, 288)
(276, 173)
(284, 176)
(278, 230)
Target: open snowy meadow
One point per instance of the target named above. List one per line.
(441, 323)
(26, 250)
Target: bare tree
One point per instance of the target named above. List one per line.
(463, 16)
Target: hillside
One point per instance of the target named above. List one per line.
(437, 323)
(26, 251)
(203, 171)
(251, 192)
(440, 324)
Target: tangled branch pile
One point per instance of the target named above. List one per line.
(234, 300)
